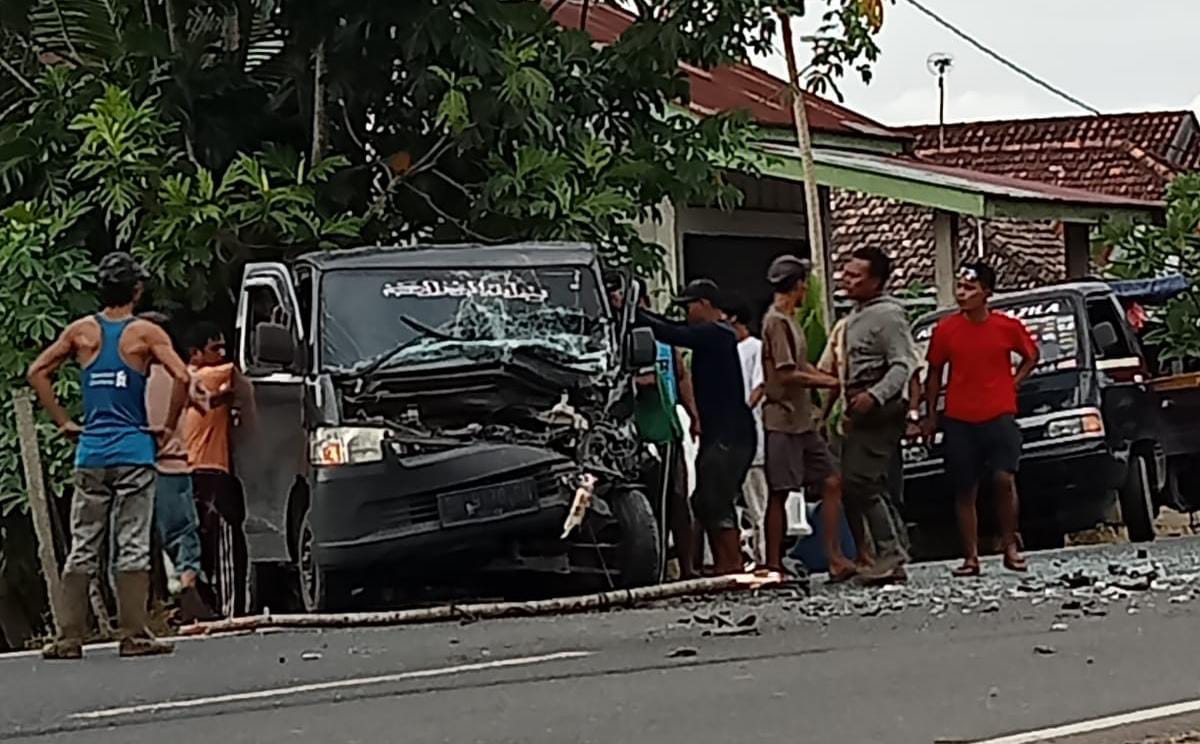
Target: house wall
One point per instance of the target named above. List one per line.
(772, 211)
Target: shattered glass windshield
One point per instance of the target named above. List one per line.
(395, 317)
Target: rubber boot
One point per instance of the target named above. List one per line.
(73, 618)
(133, 589)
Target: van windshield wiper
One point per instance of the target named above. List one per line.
(423, 332)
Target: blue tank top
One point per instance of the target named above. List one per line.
(114, 407)
(666, 370)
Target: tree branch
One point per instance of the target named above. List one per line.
(319, 123)
(18, 76)
(460, 224)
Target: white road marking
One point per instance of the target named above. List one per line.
(1098, 724)
(238, 697)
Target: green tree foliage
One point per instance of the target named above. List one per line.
(1142, 251)
(201, 134)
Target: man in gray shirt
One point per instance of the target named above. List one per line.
(881, 358)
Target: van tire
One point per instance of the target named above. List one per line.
(639, 552)
(321, 590)
(1137, 501)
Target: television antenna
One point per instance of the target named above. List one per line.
(939, 65)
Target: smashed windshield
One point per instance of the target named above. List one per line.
(1052, 324)
(383, 318)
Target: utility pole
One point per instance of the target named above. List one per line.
(812, 195)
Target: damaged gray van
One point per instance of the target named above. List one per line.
(428, 413)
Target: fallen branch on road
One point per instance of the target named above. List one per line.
(488, 610)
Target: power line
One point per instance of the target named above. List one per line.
(1002, 60)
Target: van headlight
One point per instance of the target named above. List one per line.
(347, 445)
(1087, 423)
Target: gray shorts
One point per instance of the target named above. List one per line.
(798, 461)
(124, 494)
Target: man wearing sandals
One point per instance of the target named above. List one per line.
(982, 438)
(797, 458)
(880, 361)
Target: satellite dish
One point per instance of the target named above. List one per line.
(939, 63)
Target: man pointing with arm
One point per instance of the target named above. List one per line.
(728, 437)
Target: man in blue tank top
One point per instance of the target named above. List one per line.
(115, 456)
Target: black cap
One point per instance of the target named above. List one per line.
(787, 267)
(120, 268)
(699, 289)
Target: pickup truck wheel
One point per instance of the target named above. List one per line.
(639, 551)
(1137, 501)
(321, 590)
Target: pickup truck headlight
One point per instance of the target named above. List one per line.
(347, 445)
(1088, 423)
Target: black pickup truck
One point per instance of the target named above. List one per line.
(1100, 429)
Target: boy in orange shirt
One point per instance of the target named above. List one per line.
(218, 497)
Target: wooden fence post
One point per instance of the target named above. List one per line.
(39, 504)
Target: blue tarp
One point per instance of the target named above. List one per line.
(1151, 291)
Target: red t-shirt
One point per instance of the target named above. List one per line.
(980, 357)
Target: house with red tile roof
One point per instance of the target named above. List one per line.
(862, 168)
(1133, 155)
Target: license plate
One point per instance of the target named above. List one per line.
(488, 502)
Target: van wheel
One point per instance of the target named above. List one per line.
(321, 590)
(639, 552)
(1137, 501)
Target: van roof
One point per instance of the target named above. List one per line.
(465, 255)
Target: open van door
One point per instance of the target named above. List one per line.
(274, 324)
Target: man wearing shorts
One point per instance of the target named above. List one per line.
(727, 435)
(752, 521)
(797, 458)
(115, 455)
(982, 438)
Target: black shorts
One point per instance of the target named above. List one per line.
(975, 452)
(720, 471)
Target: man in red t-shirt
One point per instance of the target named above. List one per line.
(982, 438)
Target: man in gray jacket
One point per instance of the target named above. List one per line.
(881, 358)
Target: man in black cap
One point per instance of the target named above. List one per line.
(116, 453)
(798, 459)
(727, 431)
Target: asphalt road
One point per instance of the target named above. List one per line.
(847, 665)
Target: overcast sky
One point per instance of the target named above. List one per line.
(1116, 55)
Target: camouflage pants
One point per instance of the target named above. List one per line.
(117, 498)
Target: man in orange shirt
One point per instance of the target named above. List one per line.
(218, 497)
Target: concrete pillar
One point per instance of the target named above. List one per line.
(1079, 249)
(945, 261)
(665, 233)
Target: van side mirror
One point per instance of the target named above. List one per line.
(642, 351)
(273, 344)
(1106, 336)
